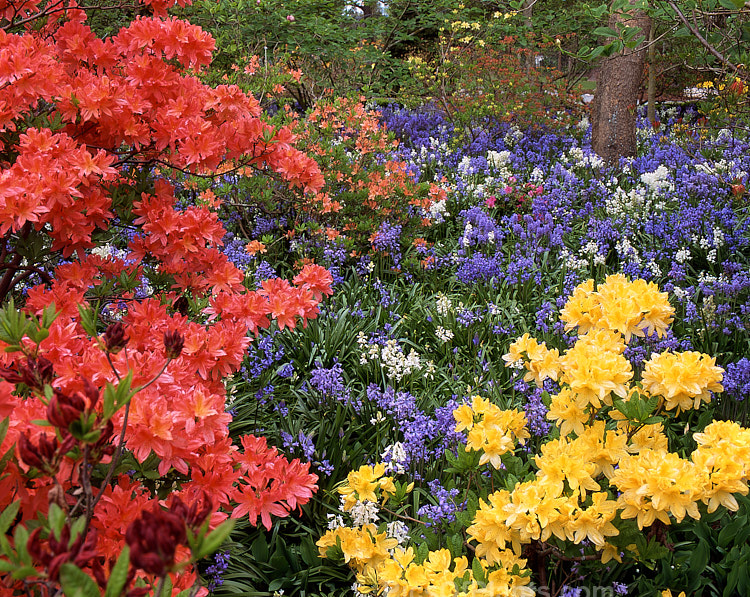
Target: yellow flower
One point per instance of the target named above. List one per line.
(360, 485)
(595, 374)
(464, 417)
(628, 308)
(494, 433)
(655, 484)
(594, 523)
(723, 457)
(363, 547)
(566, 412)
(582, 308)
(489, 529)
(564, 461)
(542, 365)
(684, 379)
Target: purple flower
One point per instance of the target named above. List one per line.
(446, 507)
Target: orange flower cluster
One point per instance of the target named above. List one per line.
(130, 100)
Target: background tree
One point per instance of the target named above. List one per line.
(613, 112)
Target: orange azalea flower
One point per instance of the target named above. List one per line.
(315, 278)
(419, 242)
(255, 246)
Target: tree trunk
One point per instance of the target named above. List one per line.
(651, 96)
(613, 111)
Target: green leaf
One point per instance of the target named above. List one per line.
(56, 519)
(23, 572)
(13, 325)
(309, 552)
(699, 559)
(4, 425)
(49, 314)
(123, 393)
(119, 574)
(729, 532)
(87, 319)
(605, 32)
(732, 4)
(37, 333)
(477, 571)
(166, 588)
(9, 515)
(77, 528)
(259, 549)
(20, 540)
(215, 539)
(76, 583)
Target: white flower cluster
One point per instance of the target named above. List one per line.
(464, 166)
(109, 251)
(658, 180)
(443, 305)
(397, 530)
(537, 175)
(513, 136)
(577, 157)
(623, 202)
(364, 513)
(572, 261)
(654, 268)
(591, 250)
(627, 252)
(438, 211)
(397, 364)
(392, 358)
(467, 233)
(335, 521)
(498, 159)
(443, 335)
(682, 255)
(394, 457)
(698, 92)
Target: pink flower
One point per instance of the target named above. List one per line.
(290, 18)
(490, 201)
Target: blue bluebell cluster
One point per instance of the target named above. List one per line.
(215, 572)
(387, 240)
(737, 380)
(262, 354)
(446, 507)
(330, 382)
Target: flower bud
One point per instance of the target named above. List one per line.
(37, 372)
(195, 514)
(28, 452)
(114, 338)
(173, 343)
(62, 409)
(153, 538)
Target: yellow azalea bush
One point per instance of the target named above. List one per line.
(605, 474)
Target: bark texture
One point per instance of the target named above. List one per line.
(613, 110)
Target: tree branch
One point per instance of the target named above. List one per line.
(697, 34)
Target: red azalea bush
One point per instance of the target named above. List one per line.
(117, 466)
(363, 189)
